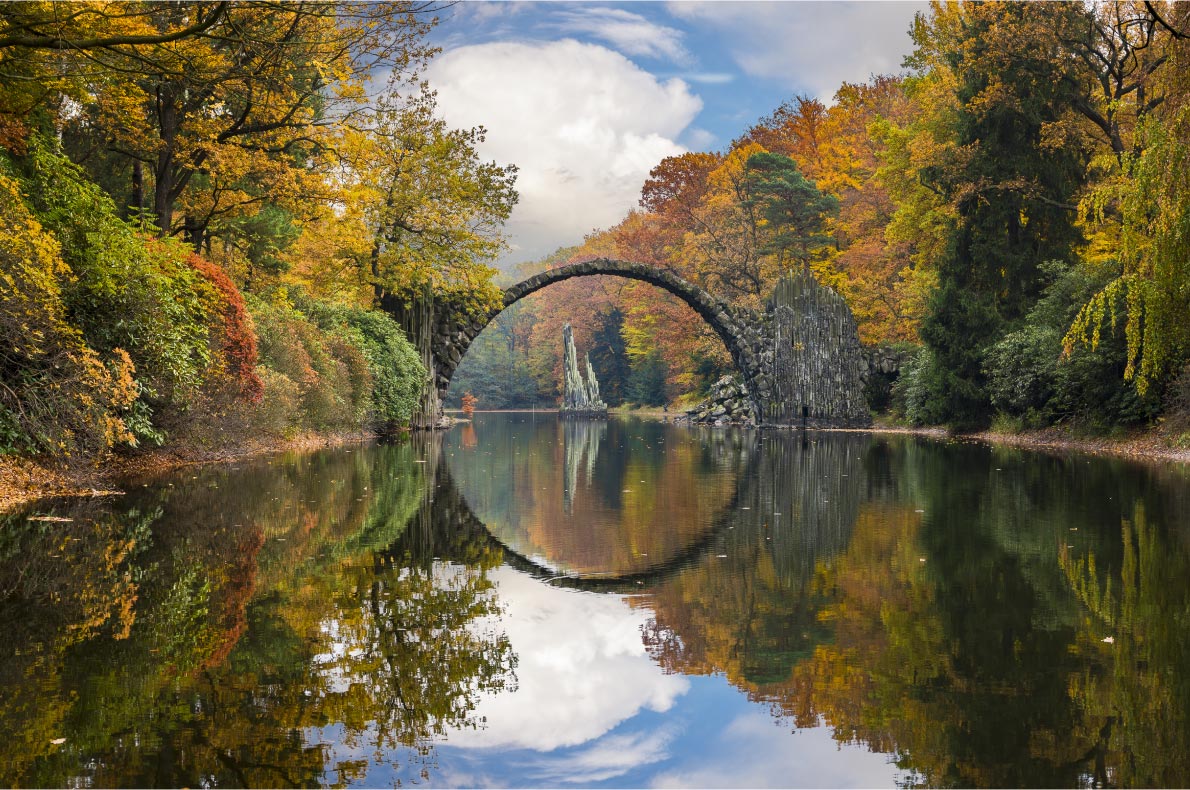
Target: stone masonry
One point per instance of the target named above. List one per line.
(799, 362)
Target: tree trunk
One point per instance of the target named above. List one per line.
(138, 190)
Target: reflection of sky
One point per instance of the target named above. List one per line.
(592, 709)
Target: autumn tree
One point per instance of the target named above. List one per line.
(434, 209)
(1141, 211)
(799, 129)
(213, 112)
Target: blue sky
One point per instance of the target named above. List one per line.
(585, 98)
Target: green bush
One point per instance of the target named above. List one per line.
(57, 395)
(397, 372)
(129, 290)
(1032, 378)
(1023, 374)
(916, 393)
(279, 411)
(352, 368)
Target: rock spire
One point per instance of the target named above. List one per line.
(580, 397)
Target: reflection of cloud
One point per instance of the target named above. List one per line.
(630, 33)
(755, 751)
(582, 670)
(812, 46)
(583, 123)
(605, 759)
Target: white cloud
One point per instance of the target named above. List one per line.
(710, 77)
(811, 46)
(582, 670)
(583, 123)
(630, 33)
(700, 139)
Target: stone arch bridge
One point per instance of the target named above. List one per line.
(800, 360)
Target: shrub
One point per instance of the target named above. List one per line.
(57, 395)
(915, 394)
(234, 335)
(1030, 377)
(330, 368)
(1177, 404)
(398, 374)
(280, 407)
(352, 377)
(1023, 373)
(129, 291)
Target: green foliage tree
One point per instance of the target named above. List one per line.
(609, 357)
(646, 383)
(1012, 193)
(434, 209)
(1152, 294)
(219, 108)
(792, 206)
(497, 367)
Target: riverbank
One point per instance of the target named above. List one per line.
(1147, 445)
(24, 480)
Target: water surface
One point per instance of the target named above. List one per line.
(530, 602)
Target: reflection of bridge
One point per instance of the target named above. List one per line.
(800, 362)
(795, 500)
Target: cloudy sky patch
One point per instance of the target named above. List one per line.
(586, 98)
(627, 32)
(582, 122)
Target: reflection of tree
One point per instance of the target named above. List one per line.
(750, 608)
(61, 584)
(1135, 693)
(286, 596)
(941, 626)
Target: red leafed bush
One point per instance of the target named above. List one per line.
(237, 338)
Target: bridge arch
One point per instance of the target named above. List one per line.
(729, 324)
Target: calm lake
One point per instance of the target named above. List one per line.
(530, 602)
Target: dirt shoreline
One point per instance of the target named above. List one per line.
(24, 480)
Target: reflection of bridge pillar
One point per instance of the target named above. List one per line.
(809, 493)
